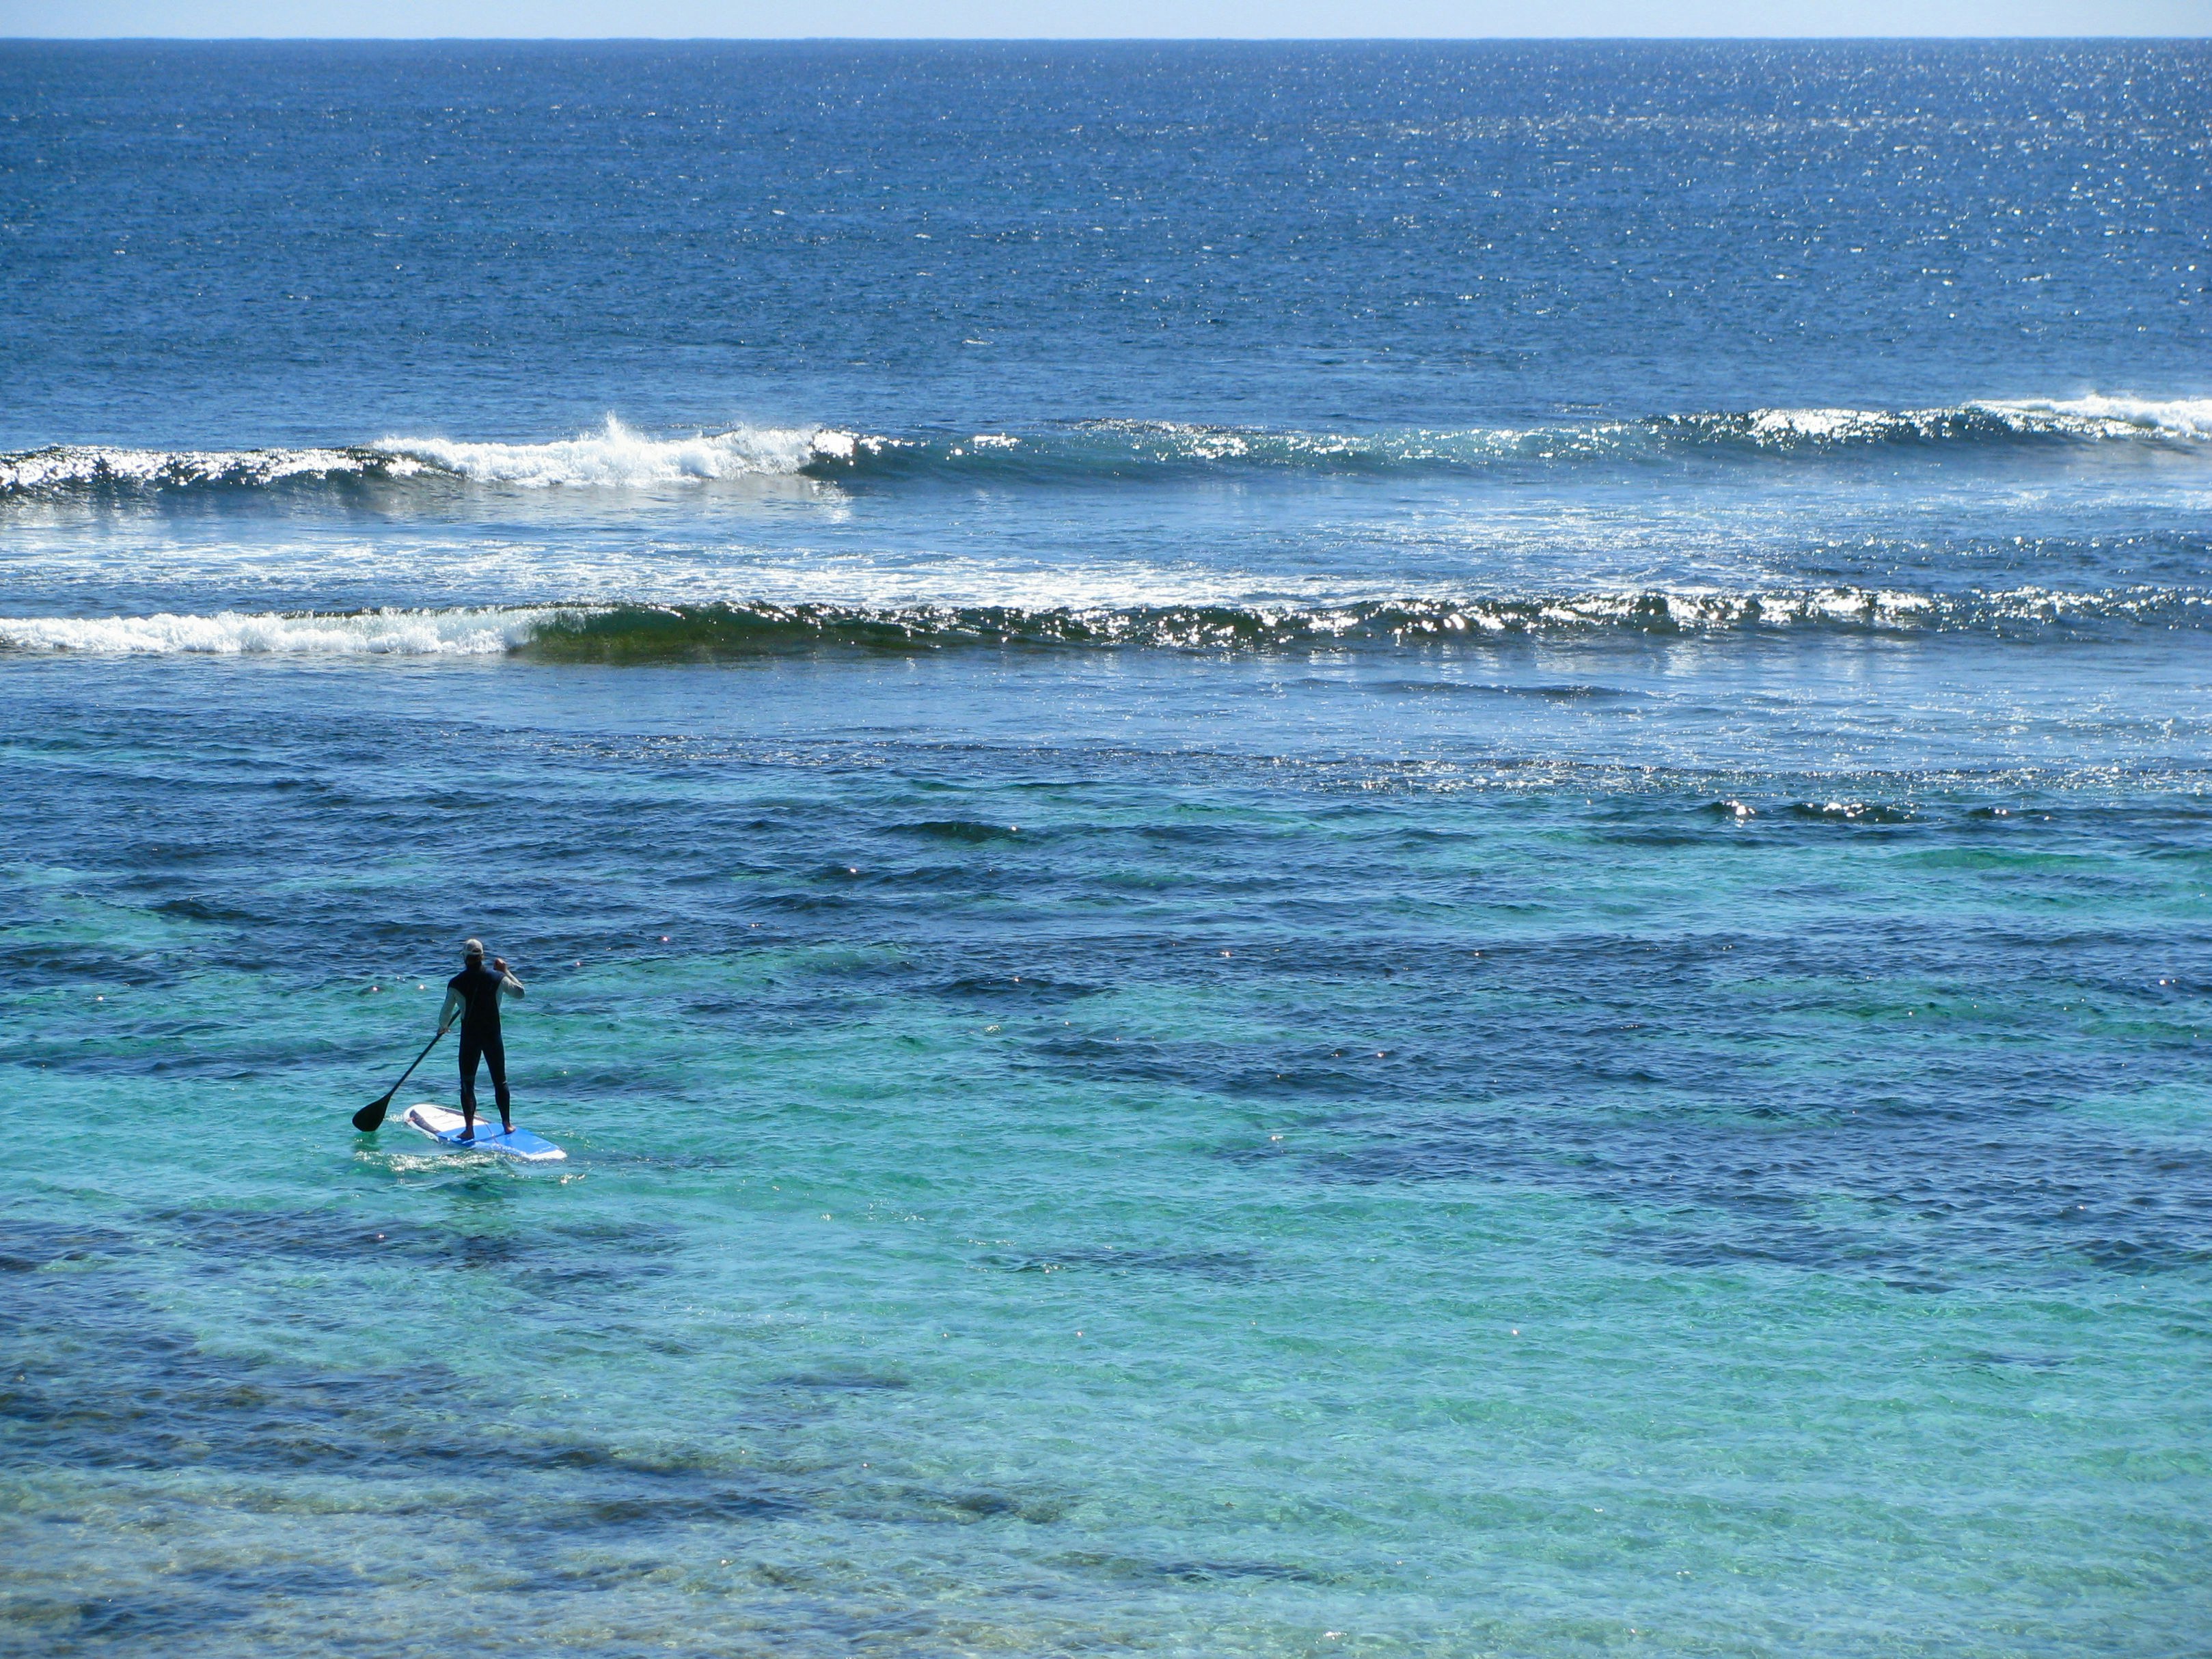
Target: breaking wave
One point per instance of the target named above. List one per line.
(80, 468)
(457, 633)
(649, 633)
(614, 457)
(618, 457)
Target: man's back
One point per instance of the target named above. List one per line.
(479, 987)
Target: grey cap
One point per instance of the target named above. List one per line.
(473, 948)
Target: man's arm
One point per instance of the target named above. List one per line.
(451, 1010)
(508, 985)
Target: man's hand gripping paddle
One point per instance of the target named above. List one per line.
(369, 1117)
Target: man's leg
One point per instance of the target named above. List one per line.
(494, 1054)
(469, 1052)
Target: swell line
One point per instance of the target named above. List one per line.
(650, 633)
(618, 457)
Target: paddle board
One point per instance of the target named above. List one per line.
(443, 1126)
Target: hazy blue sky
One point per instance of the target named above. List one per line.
(1062, 18)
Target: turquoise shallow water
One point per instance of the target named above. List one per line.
(1088, 1195)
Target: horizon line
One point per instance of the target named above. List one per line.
(1068, 40)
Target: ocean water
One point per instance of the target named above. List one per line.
(1356, 850)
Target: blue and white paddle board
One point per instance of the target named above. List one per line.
(444, 1126)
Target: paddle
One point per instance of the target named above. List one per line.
(370, 1116)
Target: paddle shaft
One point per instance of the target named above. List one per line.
(418, 1060)
(370, 1115)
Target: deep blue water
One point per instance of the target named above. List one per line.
(1383, 848)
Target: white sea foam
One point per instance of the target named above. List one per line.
(616, 455)
(65, 466)
(1695, 609)
(2117, 417)
(457, 633)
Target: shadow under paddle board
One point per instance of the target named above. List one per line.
(444, 1126)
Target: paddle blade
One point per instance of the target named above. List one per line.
(371, 1116)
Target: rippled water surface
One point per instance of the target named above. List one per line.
(1398, 850)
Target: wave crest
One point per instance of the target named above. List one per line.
(390, 632)
(1111, 449)
(643, 632)
(613, 457)
(2188, 419)
(2088, 419)
(618, 457)
(76, 468)
(658, 633)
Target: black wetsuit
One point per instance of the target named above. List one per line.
(477, 987)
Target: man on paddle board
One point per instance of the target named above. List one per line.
(474, 994)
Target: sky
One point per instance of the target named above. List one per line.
(1090, 19)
